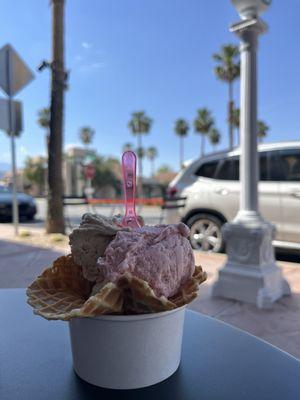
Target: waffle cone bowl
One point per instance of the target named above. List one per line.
(62, 293)
(123, 335)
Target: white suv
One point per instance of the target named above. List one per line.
(205, 195)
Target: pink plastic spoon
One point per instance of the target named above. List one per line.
(129, 181)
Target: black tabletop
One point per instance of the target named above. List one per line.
(218, 362)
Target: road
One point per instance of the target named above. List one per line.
(73, 213)
(152, 215)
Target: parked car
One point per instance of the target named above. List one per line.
(27, 204)
(205, 195)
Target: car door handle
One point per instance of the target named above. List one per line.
(222, 191)
(295, 194)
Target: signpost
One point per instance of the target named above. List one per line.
(14, 75)
(89, 172)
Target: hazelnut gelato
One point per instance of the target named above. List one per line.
(89, 241)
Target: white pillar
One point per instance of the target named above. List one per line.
(250, 273)
(248, 125)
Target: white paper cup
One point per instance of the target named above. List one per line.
(127, 351)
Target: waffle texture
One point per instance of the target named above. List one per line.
(62, 292)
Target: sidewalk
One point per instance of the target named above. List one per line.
(21, 263)
(279, 326)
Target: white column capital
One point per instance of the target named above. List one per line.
(245, 28)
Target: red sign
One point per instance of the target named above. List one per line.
(89, 171)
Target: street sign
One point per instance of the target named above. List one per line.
(16, 122)
(89, 171)
(14, 73)
(89, 159)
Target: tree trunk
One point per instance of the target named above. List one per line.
(181, 152)
(202, 145)
(55, 215)
(230, 108)
(47, 138)
(153, 167)
(238, 136)
(140, 167)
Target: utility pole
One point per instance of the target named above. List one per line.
(55, 215)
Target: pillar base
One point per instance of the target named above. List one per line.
(250, 273)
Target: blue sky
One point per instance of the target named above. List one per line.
(152, 55)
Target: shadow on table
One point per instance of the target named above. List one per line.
(20, 263)
(166, 389)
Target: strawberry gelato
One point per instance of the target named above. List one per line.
(160, 255)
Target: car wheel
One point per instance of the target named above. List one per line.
(205, 233)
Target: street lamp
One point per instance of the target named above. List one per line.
(251, 8)
(250, 273)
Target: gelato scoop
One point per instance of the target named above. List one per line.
(160, 255)
(89, 241)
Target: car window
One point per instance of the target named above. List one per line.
(228, 169)
(289, 164)
(269, 166)
(263, 166)
(207, 169)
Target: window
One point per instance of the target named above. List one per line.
(228, 169)
(263, 167)
(207, 170)
(269, 166)
(290, 165)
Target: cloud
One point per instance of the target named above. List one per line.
(78, 58)
(86, 45)
(92, 66)
(23, 150)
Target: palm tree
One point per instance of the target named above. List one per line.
(86, 135)
(214, 136)
(44, 118)
(140, 125)
(140, 151)
(262, 130)
(181, 129)
(228, 70)
(203, 124)
(152, 153)
(55, 214)
(262, 127)
(44, 122)
(127, 146)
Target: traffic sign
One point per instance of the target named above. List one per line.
(14, 73)
(89, 159)
(89, 171)
(16, 121)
